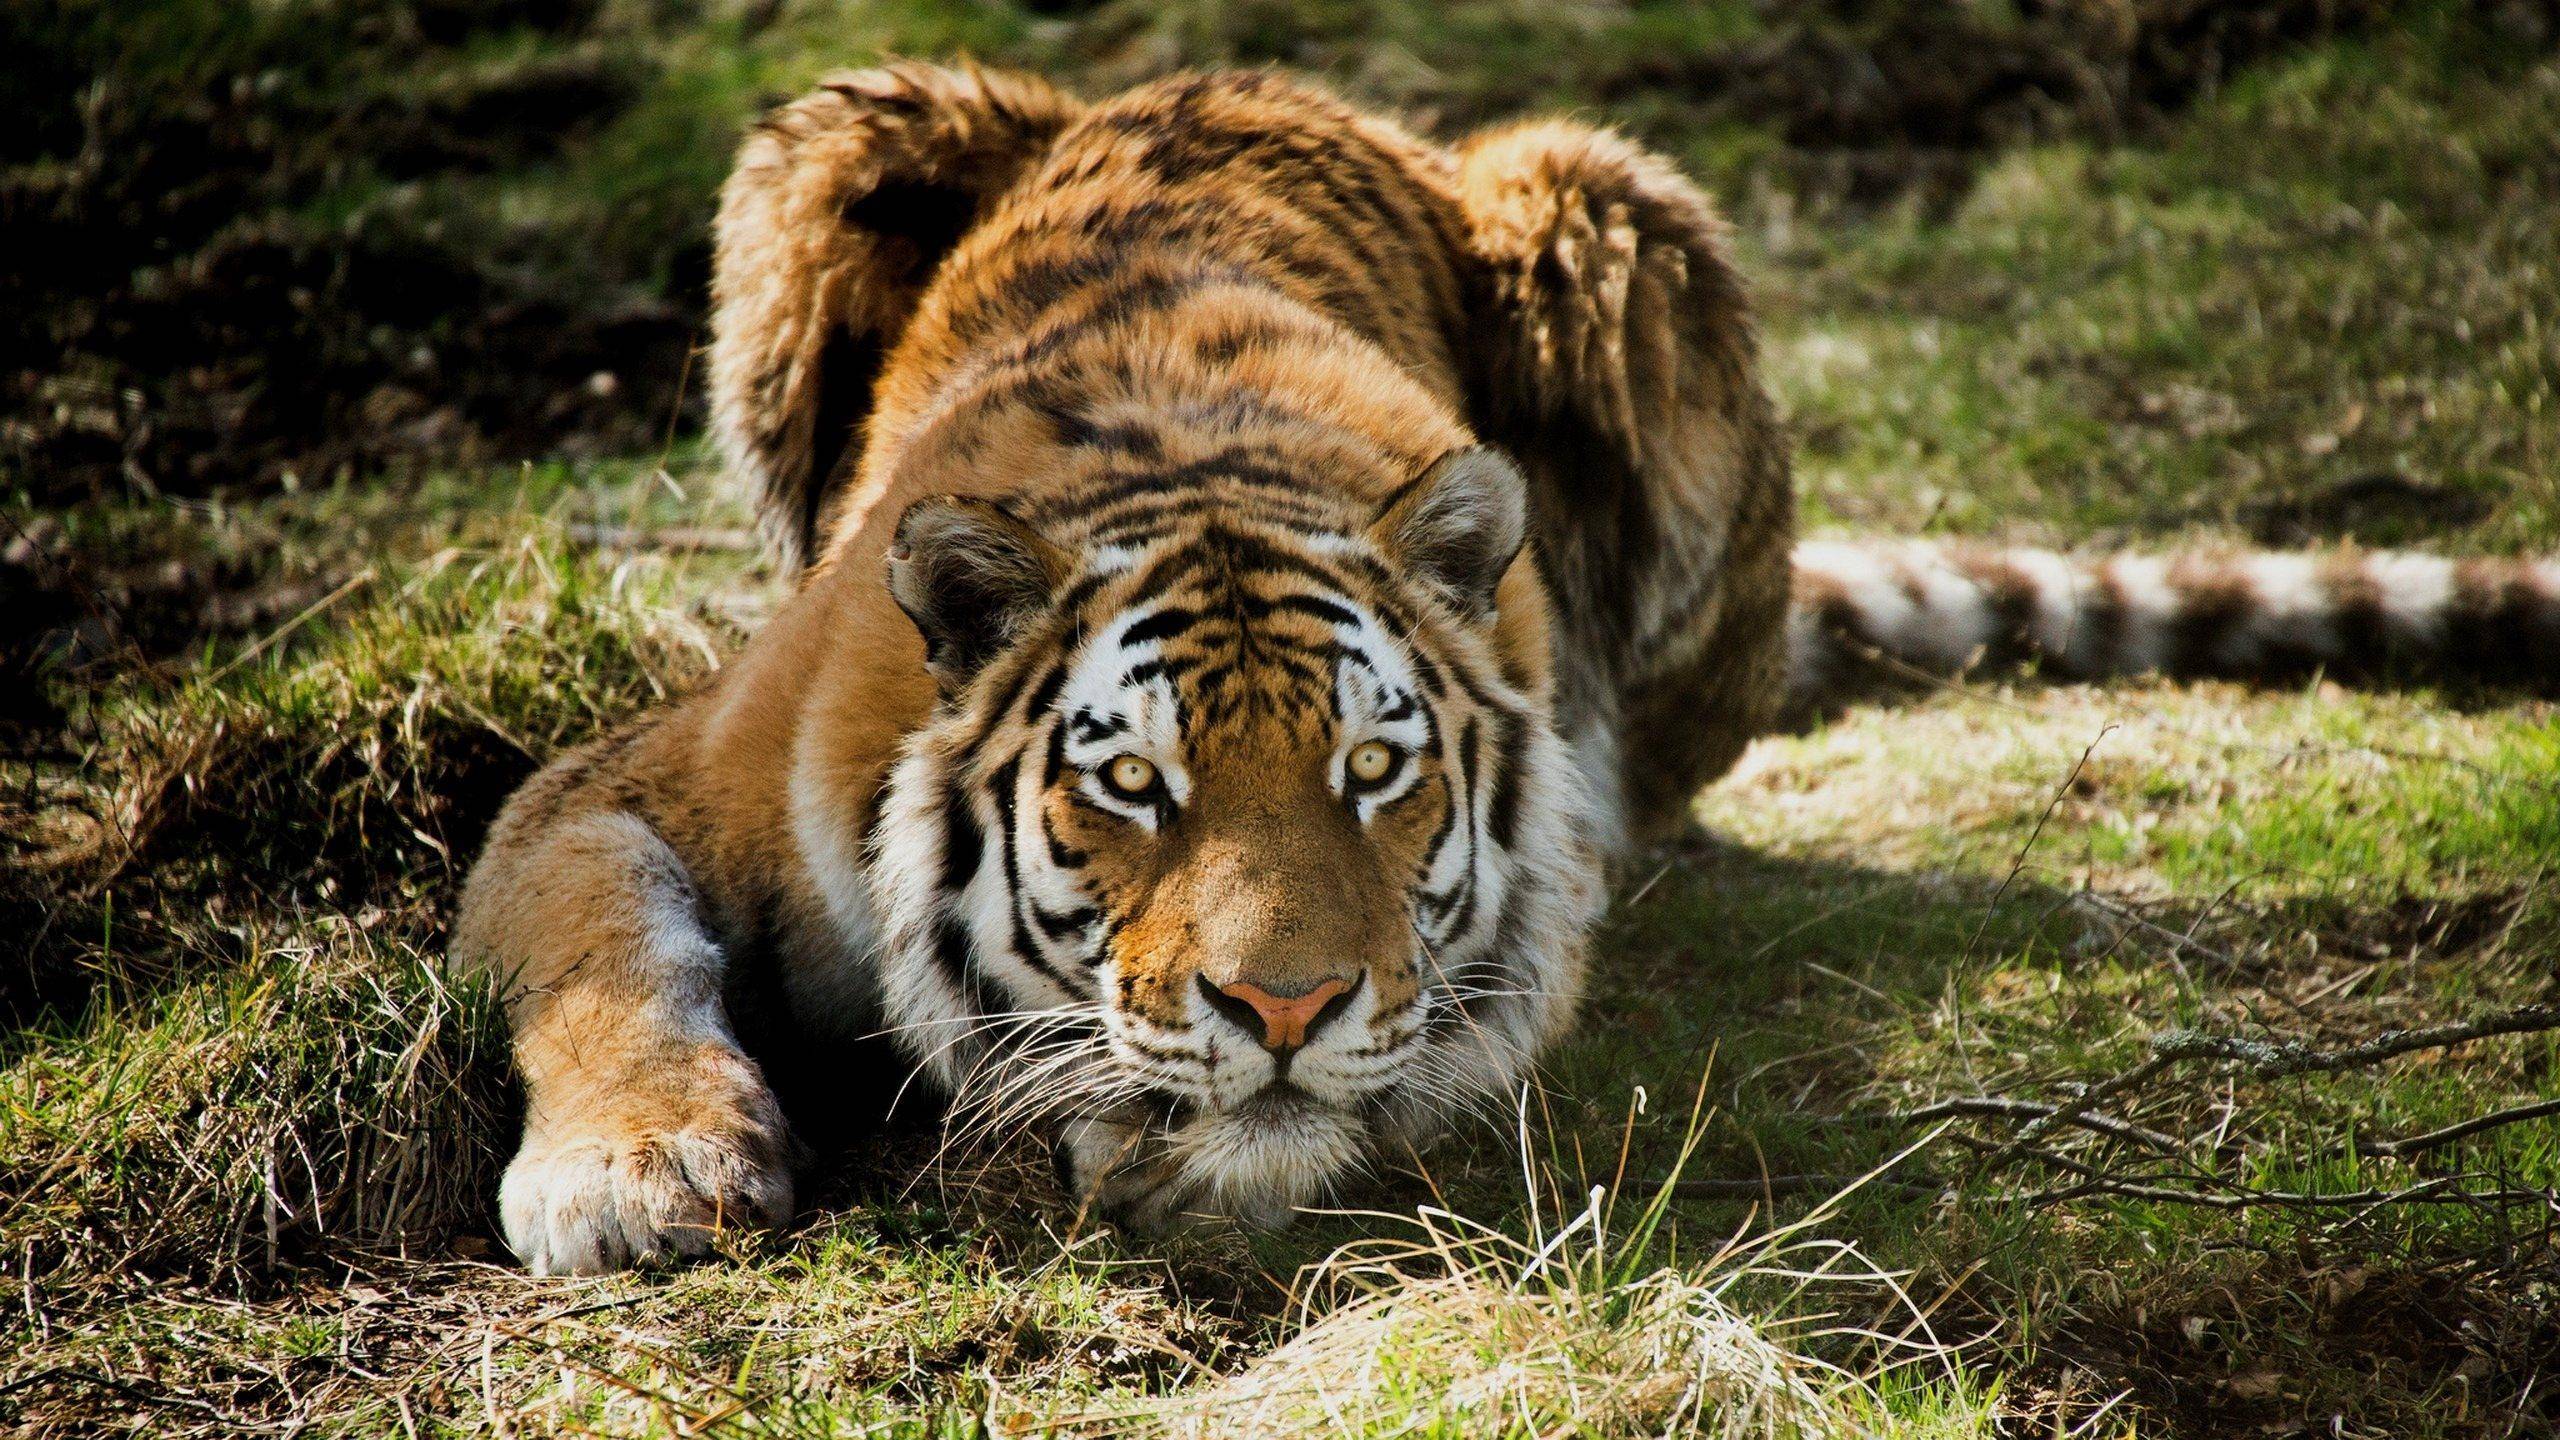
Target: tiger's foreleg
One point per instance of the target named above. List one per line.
(647, 1129)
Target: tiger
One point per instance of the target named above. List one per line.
(1257, 575)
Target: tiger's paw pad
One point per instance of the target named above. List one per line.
(587, 1204)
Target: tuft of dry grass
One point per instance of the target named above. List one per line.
(1591, 1325)
(1505, 1338)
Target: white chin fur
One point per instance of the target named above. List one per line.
(1261, 1162)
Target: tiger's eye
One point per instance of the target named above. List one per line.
(1371, 762)
(1130, 775)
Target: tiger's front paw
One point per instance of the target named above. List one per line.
(587, 1200)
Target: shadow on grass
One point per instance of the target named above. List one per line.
(1787, 993)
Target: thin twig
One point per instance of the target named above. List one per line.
(345, 588)
(2005, 1107)
(2412, 1144)
(1775, 1185)
(2076, 1112)
(2027, 848)
(2186, 939)
(2272, 1059)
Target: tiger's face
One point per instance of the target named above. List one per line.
(1239, 843)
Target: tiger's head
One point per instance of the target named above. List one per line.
(1241, 841)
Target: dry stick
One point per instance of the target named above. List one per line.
(2115, 909)
(2270, 1059)
(2074, 1113)
(2019, 865)
(2412, 1144)
(2068, 1166)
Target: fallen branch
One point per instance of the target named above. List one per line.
(2077, 1112)
(2271, 1059)
(2412, 1144)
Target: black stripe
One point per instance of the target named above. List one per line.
(1506, 781)
(1000, 788)
(1062, 926)
(1158, 1053)
(1448, 826)
(951, 954)
(1015, 681)
(1427, 671)
(964, 844)
(1075, 596)
(1165, 624)
(1141, 521)
(1298, 603)
(1090, 730)
(1468, 753)
(1471, 687)
(1493, 965)
(1045, 694)
(1055, 768)
(1253, 464)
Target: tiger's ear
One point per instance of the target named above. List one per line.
(1459, 524)
(971, 576)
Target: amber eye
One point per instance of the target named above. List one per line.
(1372, 762)
(1129, 776)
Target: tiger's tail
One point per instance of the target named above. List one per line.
(1865, 614)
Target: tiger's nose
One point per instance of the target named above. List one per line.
(1282, 1019)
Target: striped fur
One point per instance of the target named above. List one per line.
(1864, 612)
(1148, 438)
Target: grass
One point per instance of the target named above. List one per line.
(2320, 309)
(248, 1140)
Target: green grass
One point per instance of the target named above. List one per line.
(248, 1140)
(2320, 307)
